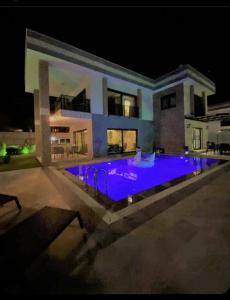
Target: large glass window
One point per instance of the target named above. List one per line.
(128, 104)
(168, 101)
(59, 129)
(199, 106)
(121, 140)
(197, 135)
(122, 104)
(114, 141)
(129, 140)
(80, 141)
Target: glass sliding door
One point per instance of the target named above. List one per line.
(129, 140)
(197, 135)
(114, 141)
(80, 141)
(121, 140)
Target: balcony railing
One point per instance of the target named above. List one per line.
(64, 102)
(123, 110)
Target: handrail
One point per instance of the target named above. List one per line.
(95, 178)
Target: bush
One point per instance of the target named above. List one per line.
(3, 149)
(27, 148)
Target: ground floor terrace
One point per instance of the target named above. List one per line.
(75, 135)
(178, 245)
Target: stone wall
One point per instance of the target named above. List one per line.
(169, 123)
(17, 138)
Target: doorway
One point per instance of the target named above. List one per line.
(79, 138)
(197, 138)
(121, 140)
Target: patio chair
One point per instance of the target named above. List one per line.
(58, 152)
(8, 198)
(22, 244)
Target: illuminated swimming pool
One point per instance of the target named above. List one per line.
(125, 180)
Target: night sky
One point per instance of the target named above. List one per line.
(151, 41)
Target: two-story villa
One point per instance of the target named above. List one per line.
(103, 108)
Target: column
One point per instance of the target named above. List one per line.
(192, 109)
(205, 102)
(105, 96)
(37, 124)
(44, 112)
(139, 102)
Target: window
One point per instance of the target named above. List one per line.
(122, 104)
(199, 106)
(55, 140)
(121, 140)
(225, 123)
(80, 139)
(197, 135)
(59, 129)
(168, 101)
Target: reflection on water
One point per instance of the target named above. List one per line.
(195, 173)
(130, 200)
(130, 175)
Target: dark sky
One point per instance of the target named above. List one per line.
(151, 41)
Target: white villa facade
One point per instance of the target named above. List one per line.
(103, 108)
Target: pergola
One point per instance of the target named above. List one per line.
(209, 118)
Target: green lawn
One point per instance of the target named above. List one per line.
(20, 162)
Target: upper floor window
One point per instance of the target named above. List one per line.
(199, 106)
(122, 104)
(168, 101)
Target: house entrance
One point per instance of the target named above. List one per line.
(197, 135)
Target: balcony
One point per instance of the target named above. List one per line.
(68, 103)
(123, 110)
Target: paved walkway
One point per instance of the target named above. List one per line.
(182, 249)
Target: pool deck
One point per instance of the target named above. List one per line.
(180, 245)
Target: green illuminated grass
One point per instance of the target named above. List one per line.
(25, 149)
(2, 149)
(20, 162)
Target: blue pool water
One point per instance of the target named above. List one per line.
(125, 180)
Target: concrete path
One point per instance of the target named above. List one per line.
(183, 249)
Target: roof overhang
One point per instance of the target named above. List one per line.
(39, 46)
(185, 73)
(209, 118)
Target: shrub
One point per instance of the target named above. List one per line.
(3, 149)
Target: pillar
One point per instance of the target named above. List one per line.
(139, 102)
(37, 124)
(44, 112)
(192, 109)
(205, 102)
(105, 95)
